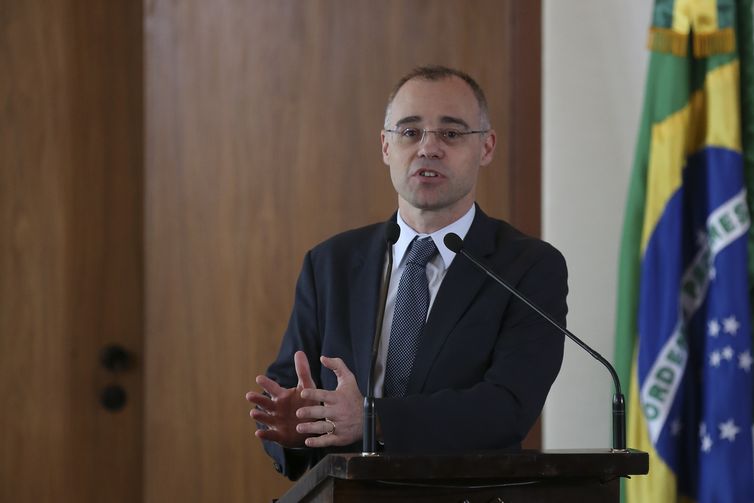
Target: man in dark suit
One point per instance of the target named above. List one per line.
(462, 365)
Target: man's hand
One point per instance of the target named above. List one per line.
(338, 416)
(278, 411)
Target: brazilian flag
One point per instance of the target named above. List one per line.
(684, 323)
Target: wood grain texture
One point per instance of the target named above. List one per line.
(525, 111)
(262, 131)
(262, 138)
(71, 257)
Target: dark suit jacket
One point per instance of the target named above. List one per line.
(485, 362)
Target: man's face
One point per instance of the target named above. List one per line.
(432, 175)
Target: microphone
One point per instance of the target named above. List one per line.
(455, 244)
(369, 448)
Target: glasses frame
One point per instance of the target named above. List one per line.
(436, 132)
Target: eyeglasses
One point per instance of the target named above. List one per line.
(449, 136)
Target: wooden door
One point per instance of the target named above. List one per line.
(71, 257)
(262, 139)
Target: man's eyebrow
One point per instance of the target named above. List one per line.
(445, 119)
(409, 119)
(453, 120)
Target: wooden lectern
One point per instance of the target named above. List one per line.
(583, 476)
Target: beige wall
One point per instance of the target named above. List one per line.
(594, 65)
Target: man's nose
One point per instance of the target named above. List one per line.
(430, 145)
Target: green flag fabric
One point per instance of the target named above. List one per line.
(683, 326)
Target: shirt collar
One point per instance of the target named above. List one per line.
(460, 227)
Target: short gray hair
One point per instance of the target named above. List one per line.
(434, 73)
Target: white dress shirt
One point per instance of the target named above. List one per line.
(436, 269)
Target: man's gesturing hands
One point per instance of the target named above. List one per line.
(305, 415)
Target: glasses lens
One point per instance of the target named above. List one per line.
(411, 136)
(450, 136)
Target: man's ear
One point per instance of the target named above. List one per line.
(385, 148)
(488, 148)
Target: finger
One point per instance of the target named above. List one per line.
(338, 366)
(303, 371)
(312, 412)
(270, 386)
(272, 435)
(260, 400)
(322, 441)
(314, 428)
(319, 395)
(262, 417)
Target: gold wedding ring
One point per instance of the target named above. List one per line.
(332, 430)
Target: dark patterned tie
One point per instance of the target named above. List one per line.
(411, 304)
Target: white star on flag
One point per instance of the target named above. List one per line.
(728, 353)
(714, 328)
(728, 430)
(676, 427)
(706, 443)
(730, 325)
(745, 361)
(714, 359)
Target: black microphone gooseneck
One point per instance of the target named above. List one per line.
(455, 244)
(369, 447)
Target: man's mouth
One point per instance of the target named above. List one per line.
(427, 173)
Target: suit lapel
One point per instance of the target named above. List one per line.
(363, 296)
(458, 289)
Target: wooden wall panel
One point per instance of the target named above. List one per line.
(524, 111)
(262, 131)
(71, 247)
(262, 125)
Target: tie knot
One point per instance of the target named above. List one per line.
(421, 251)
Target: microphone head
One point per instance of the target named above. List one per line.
(392, 232)
(453, 242)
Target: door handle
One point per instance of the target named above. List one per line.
(113, 398)
(115, 358)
